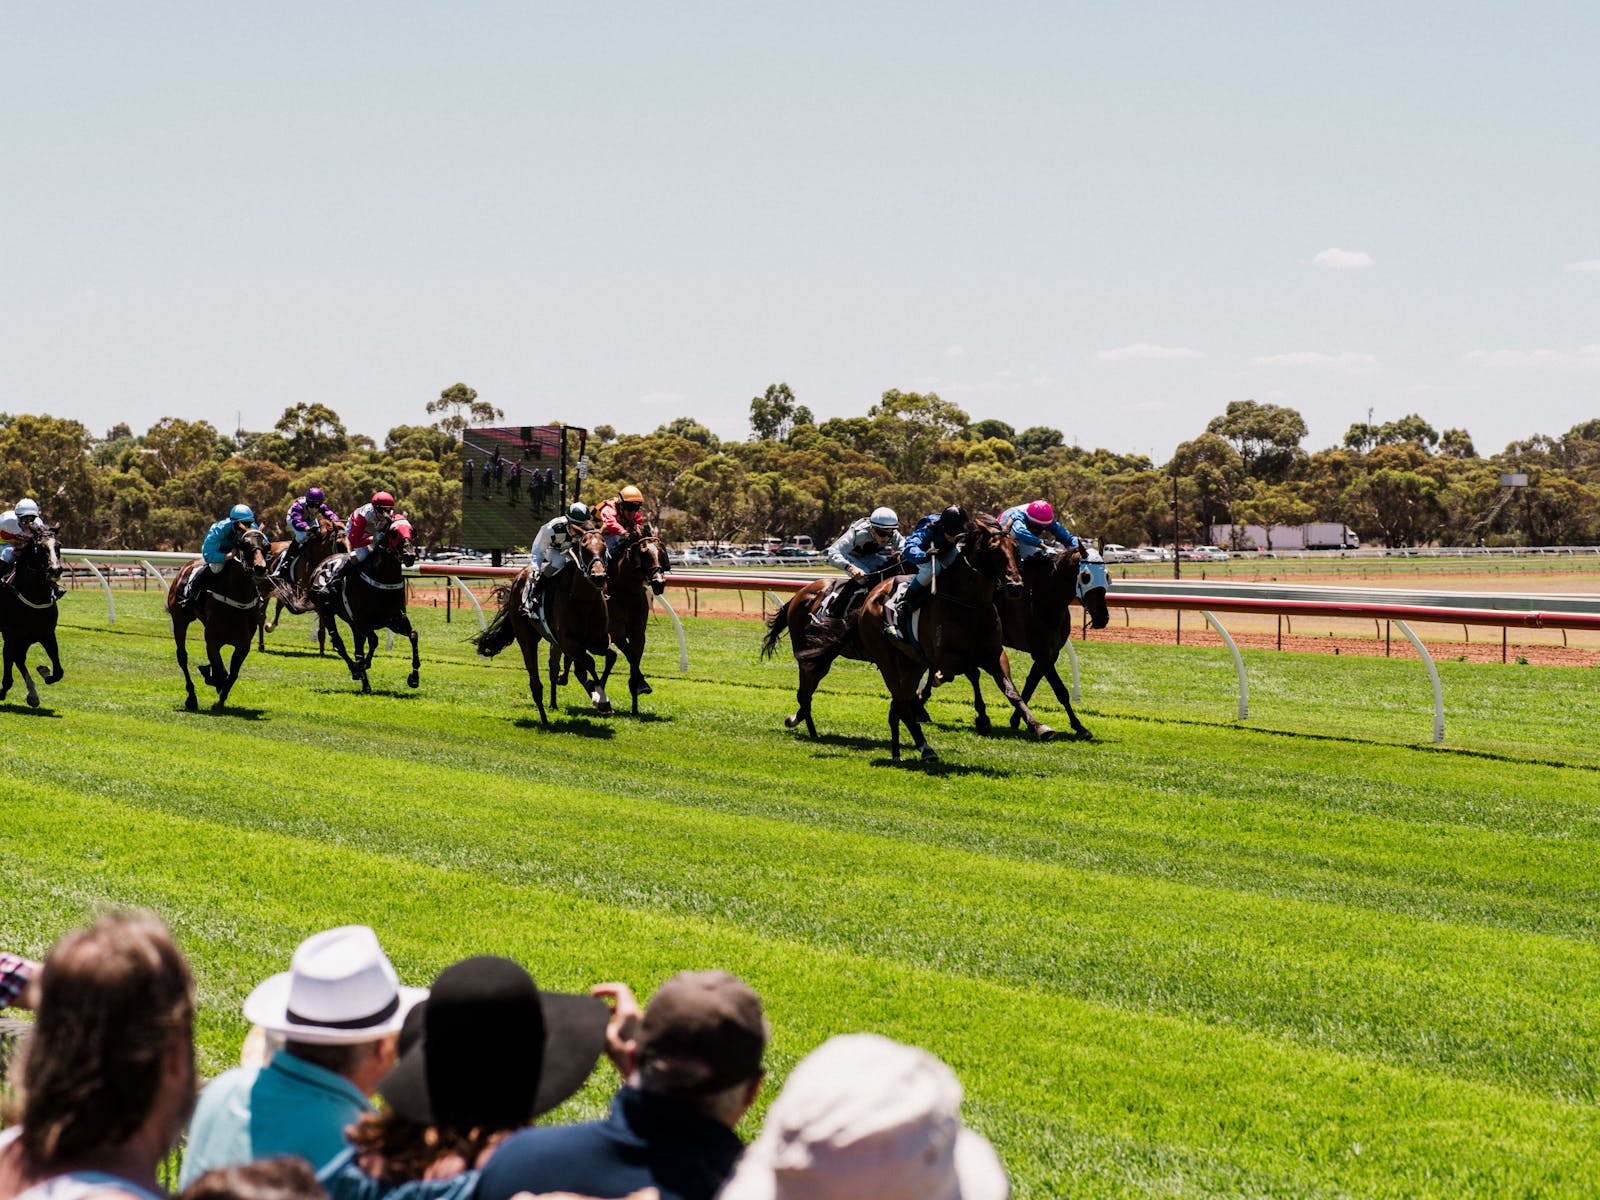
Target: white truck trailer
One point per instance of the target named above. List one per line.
(1319, 535)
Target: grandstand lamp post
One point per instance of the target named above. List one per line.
(1177, 566)
(1515, 482)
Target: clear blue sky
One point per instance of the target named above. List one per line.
(1103, 217)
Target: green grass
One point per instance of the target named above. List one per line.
(1304, 955)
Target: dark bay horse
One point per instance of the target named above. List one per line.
(321, 544)
(1039, 622)
(575, 622)
(226, 604)
(958, 634)
(370, 596)
(637, 562)
(817, 638)
(28, 611)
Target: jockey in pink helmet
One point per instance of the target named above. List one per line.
(1028, 524)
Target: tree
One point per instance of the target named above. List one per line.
(1215, 472)
(1036, 439)
(1266, 436)
(1457, 443)
(313, 434)
(772, 413)
(418, 441)
(911, 426)
(991, 428)
(1409, 428)
(464, 408)
(692, 430)
(47, 458)
(174, 447)
(605, 434)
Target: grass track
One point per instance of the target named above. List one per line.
(1308, 957)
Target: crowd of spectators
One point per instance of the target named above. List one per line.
(356, 1087)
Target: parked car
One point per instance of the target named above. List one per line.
(686, 558)
(798, 557)
(1114, 553)
(1152, 554)
(1207, 554)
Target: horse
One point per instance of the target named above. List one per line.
(326, 540)
(1039, 622)
(959, 633)
(28, 611)
(636, 562)
(818, 638)
(225, 603)
(574, 620)
(370, 596)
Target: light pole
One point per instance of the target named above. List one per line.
(1177, 566)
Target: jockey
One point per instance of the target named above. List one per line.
(303, 519)
(933, 541)
(221, 540)
(867, 547)
(360, 530)
(621, 515)
(550, 545)
(18, 527)
(1028, 523)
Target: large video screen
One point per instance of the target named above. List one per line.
(513, 480)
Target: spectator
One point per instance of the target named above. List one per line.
(106, 1080)
(495, 1052)
(694, 1071)
(865, 1116)
(285, 1178)
(15, 974)
(339, 1009)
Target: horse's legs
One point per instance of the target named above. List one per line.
(589, 678)
(5, 673)
(241, 649)
(555, 671)
(332, 627)
(981, 721)
(1079, 730)
(1000, 669)
(180, 634)
(811, 676)
(53, 673)
(528, 643)
(404, 625)
(1035, 673)
(27, 678)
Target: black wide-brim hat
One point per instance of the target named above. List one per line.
(495, 1051)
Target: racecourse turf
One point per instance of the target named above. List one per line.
(1304, 955)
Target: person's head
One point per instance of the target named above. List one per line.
(382, 502)
(862, 1115)
(953, 520)
(285, 1178)
(578, 513)
(315, 496)
(242, 516)
(27, 509)
(701, 1041)
(1039, 515)
(339, 1006)
(884, 522)
(111, 1056)
(630, 499)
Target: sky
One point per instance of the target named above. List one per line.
(1108, 218)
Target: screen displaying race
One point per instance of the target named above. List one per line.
(512, 481)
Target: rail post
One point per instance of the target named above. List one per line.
(1238, 664)
(111, 603)
(1433, 677)
(683, 642)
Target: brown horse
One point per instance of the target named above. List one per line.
(28, 611)
(1039, 622)
(637, 562)
(322, 543)
(818, 638)
(225, 603)
(958, 634)
(574, 621)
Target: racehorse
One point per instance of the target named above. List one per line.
(818, 638)
(958, 634)
(28, 611)
(574, 620)
(225, 603)
(326, 540)
(371, 596)
(637, 561)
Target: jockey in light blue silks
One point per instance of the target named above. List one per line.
(932, 542)
(867, 547)
(1028, 523)
(221, 540)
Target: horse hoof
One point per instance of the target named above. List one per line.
(981, 724)
(641, 688)
(1043, 733)
(33, 702)
(1081, 734)
(791, 722)
(929, 754)
(192, 704)
(413, 680)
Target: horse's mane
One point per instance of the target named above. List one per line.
(984, 523)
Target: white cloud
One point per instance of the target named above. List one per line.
(1042, 381)
(661, 398)
(1348, 361)
(1589, 266)
(1583, 356)
(1335, 259)
(1145, 352)
(953, 351)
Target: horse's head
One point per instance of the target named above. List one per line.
(643, 554)
(44, 552)
(395, 536)
(991, 551)
(1093, 582)
(330, 534)
(254, 551)
(590, 545)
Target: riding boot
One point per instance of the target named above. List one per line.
(57, 590)
(897, 612)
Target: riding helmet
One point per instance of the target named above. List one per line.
(1040, 513)
(27, 508)
(884, 518)
(382, 500)
(241, 512)
(578, 511)
(953, 519)
(631, 495)
(314, 496)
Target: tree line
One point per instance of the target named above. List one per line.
(1401, 483)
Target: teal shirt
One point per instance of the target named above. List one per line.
(287, 1107)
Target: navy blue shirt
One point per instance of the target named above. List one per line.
(647, 1141)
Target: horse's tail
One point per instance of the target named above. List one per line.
(775, 628)
(499, 634)
(293, 598)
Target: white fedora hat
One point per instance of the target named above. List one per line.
(339, 990)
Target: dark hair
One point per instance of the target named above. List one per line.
(341, 1060)
(285, 1178)
(110, 1000)
(407, 1148)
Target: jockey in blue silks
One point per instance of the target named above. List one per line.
(1028, 523)
(221, 540)
(933, 541)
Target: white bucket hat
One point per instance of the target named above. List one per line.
(339, 990)
(866, 1116)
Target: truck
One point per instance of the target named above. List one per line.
(1319, 535)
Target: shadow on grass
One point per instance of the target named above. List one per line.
(22, 710)
(234, 711)
(581, 726)
(844, 740)
(942, 767)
